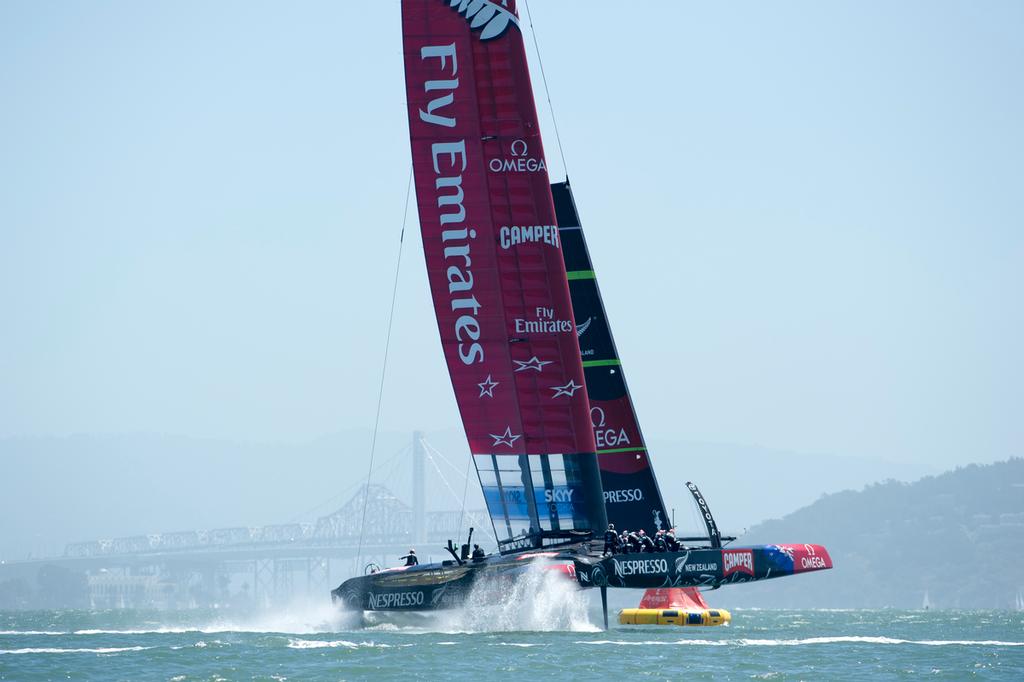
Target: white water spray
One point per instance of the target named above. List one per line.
(537, 600)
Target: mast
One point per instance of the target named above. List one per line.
(496, 272)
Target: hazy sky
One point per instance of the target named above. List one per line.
(806, 219)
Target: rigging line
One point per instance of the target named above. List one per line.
(440, 473)
(384, 369)
(547, 93)
(465, 489)
(443, 458)
(446, 484)
(465, 477)
(340, 497)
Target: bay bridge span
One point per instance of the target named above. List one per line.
(260, 566)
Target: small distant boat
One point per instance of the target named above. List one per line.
(1020, 601)
(926, 603)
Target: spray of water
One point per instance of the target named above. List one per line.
(537, 600)
(300, 616)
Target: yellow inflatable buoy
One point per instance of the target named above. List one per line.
(674, 617)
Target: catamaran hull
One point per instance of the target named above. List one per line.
(440, 586)
(710, 568)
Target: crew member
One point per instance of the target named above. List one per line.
(410, 558)
(611, 540)
(646, 544)
(478, 553)
(673, 544)
(659, 542)
(624, 541)
(634, 542)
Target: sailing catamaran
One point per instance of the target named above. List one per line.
(539, 384)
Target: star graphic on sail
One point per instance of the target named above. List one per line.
(568, 389)
(506, 438)
(487, 387)
(532, 363)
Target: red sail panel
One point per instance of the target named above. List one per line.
(490, 239)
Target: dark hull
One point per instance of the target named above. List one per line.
(448, 585)
(709, 568)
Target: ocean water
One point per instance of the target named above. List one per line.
(523, 639)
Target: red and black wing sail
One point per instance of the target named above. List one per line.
(632, 497)
(494, 261)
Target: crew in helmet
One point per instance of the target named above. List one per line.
(634, 542)
(659, 542)
(410, 558)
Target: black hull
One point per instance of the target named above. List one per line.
(448, 585)
(708, 568)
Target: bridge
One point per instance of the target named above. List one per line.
(254, 565)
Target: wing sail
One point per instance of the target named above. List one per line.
(494, 261)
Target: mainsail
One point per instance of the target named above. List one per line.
(494, 262)
(632, 497)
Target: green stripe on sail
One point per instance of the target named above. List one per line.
(601, 363)
(581, 274)
(609, 452)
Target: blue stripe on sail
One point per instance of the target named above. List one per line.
(566, 500)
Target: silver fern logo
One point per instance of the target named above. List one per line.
(490, 16)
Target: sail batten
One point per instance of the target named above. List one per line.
(495, 266)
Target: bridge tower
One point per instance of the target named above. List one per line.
(419, 529)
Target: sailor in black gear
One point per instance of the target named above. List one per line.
(410, 558)
(634, 542)
(659, 542)
(611, 540)
(624, 541)
(478, 553)
(646, 545)
(675, 545)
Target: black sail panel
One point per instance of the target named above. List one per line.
(632, 497)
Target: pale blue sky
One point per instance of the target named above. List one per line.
(806, 219)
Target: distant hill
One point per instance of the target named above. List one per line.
(959, 536)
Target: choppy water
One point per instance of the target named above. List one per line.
(318, 644)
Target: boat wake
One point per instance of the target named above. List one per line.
(300, 617)
(56, 650)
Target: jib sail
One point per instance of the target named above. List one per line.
(494, 261)
(632, 497)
